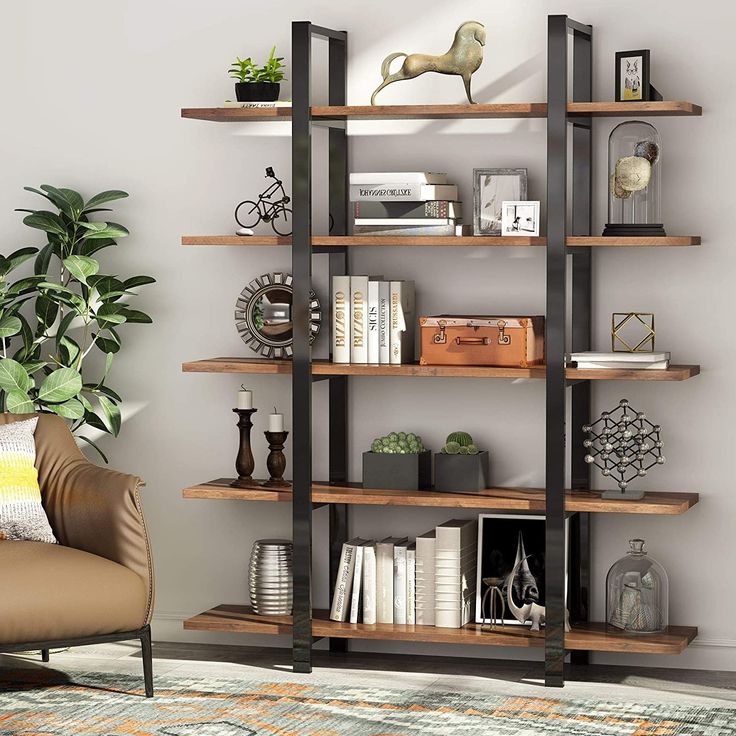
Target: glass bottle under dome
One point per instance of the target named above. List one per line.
(634, 176)
(637, 593)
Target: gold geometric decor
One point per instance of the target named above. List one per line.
(632, 332)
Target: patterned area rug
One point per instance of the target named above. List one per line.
(44, 702)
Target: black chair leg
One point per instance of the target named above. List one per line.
(147, 656)
(44, 655)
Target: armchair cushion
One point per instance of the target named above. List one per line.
(56, 593)
(21, 514)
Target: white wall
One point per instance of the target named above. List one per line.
(92, 95)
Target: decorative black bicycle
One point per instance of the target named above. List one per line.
(248, 213)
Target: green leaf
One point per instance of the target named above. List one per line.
(64, 326)
(11, 262)
(43, 260)
(34, 366)
(110, 313)
(108, 364)
(18, 402)
(107, 345)
(46, 310)
(135, 316)
(46, 221)
(89, 247)
(68, 201)
(106, 390)
(111, 230)
(112, 415)
(92, 444)
(61, 385)
(69, 349)
(81, 267)
(134, 281)
(85, 402)
(103, 197)
(10, 326)
(13, 376)
(71, 409)
(94, 421)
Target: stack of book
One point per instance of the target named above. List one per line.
(430, 582)
(405, 203)
(372, 320)
(620, 361)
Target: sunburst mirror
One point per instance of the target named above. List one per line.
(263, 315)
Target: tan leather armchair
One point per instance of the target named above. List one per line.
(96, 585)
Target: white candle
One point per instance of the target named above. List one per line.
(245, 398)
(275, 421)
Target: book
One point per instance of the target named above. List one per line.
(392, 177)
(384, 322)
(430, 209)
(660, 365)
(424, 583)
(359, 319)
(456, 535)
(373, 342)
(357, 580)
(400, 583)
(437, 231)
(369, 583)
(343, 583)
(411, 571)
(341, 335)
(402, 317)
(257, 105)
(621, 357)
(385, 579)
(405, 221)
(455, 572)
(401, 192)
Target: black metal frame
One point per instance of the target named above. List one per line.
(143, 634)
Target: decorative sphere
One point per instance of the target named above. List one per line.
(605, 431)
(640, 457)
(587, 443)
(643, 431)
(589, 459)
(606, 471)
(605, 415)
(659, 444)
(623, 402)
(605, 455)
(587, 428)
(622, 484)
(660, 460)
(641, 415)
(648, 150)
(645, 447)
(608, 447)
(656, 428)
(620, 452)
(621, 468)
(626, 460)
(627, 434)
(625, 418)
(642, 472)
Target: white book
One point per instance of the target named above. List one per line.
(406, 221)
(400, 583)
(425, 560)
(357, 580)
(341, 319)
(373, 343)
(391, 177)
(385, 579)
(411, 570)
(402, 192)
(402, 322)
(343, 583)
(384, 322)
(359, 319)
(369, 583)
(457, 534)
(660, 365)
(592, 356)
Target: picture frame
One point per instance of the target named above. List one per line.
(490, 188)
(633, 82)
(520, 218)
(498, 545)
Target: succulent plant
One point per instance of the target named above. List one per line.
(398, 443)
(473, 450)
(452, 448)
(463, 450)
(462, 438)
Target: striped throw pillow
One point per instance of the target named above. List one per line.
(21, 514)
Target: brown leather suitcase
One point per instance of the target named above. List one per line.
(473, 340)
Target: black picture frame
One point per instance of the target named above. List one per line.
(642, 74)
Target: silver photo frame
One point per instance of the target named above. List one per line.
(491, 187)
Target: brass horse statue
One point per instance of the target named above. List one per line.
(463, 58)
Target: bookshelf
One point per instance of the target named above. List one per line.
(568, 236)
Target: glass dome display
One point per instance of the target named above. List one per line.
(637, 593)
(634, 176)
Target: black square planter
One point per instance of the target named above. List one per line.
(461, 473)
(410, 472)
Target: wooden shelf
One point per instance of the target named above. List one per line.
(326, 368)
(590, 637)
(433, 112)
(395, 241)
(492, 499)
(235, 240)
(669, 241)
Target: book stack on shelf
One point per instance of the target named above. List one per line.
(372, 320)
(589, 360)
(430, 581)
(405, 203)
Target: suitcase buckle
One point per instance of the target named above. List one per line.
(503, 338)
(441, 338)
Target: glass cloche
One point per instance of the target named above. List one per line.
(634, 176)
(637, 593)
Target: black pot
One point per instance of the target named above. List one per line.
(461, 473)
(409, 472)
(257, 91)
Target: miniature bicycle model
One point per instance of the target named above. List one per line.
(248, 213)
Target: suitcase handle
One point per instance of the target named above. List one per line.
(472, 341)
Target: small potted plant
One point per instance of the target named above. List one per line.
(397, 461)
(258, 83)
(460, 467)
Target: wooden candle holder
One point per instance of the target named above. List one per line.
(276, 461)
(244, 463)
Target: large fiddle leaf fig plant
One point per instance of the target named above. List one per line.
(53, 322)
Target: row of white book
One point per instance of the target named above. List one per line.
(429, 582)
(372, 320)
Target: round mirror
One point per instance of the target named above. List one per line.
(263, 315)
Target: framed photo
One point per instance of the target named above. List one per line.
(503, 540)
(490, 188)
(520, 218)
(632, 76)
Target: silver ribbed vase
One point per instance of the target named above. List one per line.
(270, 577)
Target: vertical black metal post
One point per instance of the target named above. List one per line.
(554, 640)
(338, 398)
(582, 139)
(301, 263)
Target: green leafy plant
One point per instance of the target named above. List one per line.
(246, 70)
(52, 321)
(398, 443)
